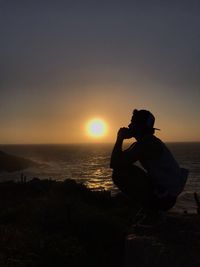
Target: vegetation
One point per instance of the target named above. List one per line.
(49, 223)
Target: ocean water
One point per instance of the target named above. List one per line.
(90, 164)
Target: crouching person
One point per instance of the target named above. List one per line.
(157, 184)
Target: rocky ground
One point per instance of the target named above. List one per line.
(49, 223)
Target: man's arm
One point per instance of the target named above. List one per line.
(116, 153)
(120, 158)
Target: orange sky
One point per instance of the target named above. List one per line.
(65, 122)
(63, 64)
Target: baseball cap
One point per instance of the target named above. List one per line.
(143, 118)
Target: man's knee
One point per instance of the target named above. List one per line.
(123, 176)
(129, 172)
(117, 177)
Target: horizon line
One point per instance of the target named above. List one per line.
(85, 143)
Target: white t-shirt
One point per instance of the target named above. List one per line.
(167, 177)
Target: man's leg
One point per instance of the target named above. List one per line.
(134, 182)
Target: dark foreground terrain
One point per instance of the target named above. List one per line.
(49, 223)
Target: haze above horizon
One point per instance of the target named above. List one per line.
(65, 63)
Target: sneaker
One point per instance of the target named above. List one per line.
(152, 219)
(138, 217)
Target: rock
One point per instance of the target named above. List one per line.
(10, 163)
(142, 251)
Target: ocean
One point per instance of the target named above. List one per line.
(89, 164)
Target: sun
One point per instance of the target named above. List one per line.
(96, 128)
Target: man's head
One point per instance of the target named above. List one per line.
(142, 122)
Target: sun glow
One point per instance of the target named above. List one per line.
(96, 128)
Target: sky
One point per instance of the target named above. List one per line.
(63, 63)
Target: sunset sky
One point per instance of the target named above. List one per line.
(63, 63)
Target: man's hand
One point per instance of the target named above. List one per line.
(124, 133)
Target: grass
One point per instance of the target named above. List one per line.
(49, 223)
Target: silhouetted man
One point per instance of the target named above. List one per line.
(156, 185)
